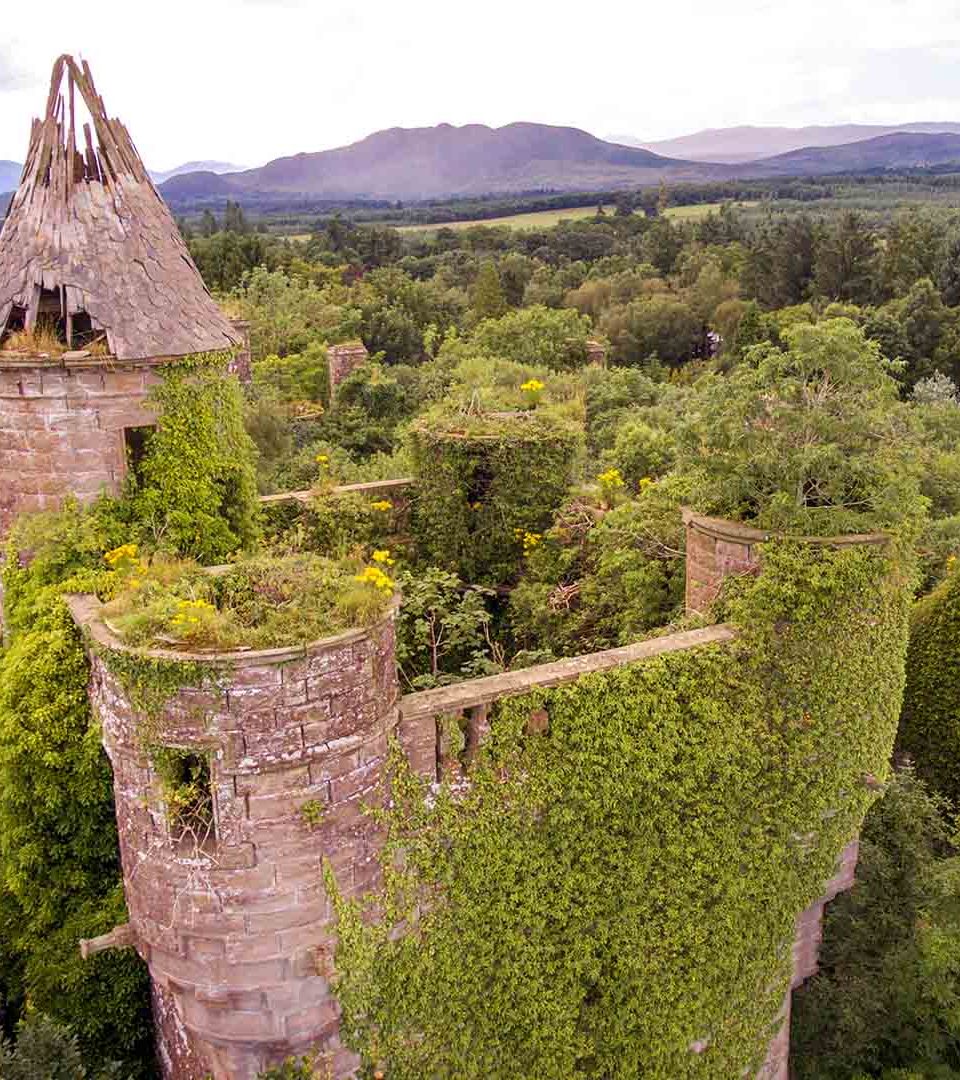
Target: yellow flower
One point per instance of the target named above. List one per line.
(383, 557)
(611, 479)
(530, 541)
(646, 482)
(321, 459)
(382, 504)
(373, 575)
(121, 554)
(532, 386)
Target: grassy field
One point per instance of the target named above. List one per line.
(539, 219)
(693, 213)
(545, 219)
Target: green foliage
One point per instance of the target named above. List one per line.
(930, 727)
(43, 1051)
(196, 493)
(443, 632)
(887, 995)
(661, 326)
(59, 862)
(536, 335)
(257, 603)
(808, 438)
(487, 296)
(294, 378)
(606, 895)
(598, 580)
(288, 315)
(485, 481)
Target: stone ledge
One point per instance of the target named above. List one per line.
(369, 487)
(722, 529)
(484, 691)
(86, 611)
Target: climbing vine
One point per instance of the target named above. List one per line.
(484, 483)
(616, 897)
(196, 490)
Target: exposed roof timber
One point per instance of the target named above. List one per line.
(91, 226)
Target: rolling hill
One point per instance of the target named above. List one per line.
(443, 161)
(901, 150)
(160, 175)
(737, 145)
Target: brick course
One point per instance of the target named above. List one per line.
(61, 428)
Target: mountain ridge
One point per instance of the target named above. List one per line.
(743, 143)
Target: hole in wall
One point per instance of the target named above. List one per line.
(187, 793)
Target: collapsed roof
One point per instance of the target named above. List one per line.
(89, 246)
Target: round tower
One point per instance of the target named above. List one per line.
(97, 290)
(232, 791)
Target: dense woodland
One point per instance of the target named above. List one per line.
(793, 367)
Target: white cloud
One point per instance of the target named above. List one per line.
(248, 80)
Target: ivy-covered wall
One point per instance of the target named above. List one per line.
(930, 728)
(485, 487)
(616, 897)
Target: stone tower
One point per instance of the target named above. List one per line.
(97, 290)
(226, 901)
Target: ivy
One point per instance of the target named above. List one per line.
(617, 897)
(930, 728)
(484, 483)
(196, 493)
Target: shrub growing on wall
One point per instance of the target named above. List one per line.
(196, 492)
(616, 897)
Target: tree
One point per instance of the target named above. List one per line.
(846, 260)
(537, 335)
(807, 437)
(661, 326)
(487, 298)
(887, 995)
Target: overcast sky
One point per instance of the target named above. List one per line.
(249, 80)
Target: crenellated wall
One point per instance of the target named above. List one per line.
(235, 926)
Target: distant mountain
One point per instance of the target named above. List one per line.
(159, 176)
(9, 175)
(736, 145)
(901, 150)
(444, 161)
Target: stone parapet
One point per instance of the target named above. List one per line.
(235, 924)
(718, 549)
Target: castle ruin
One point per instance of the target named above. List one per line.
(97, 291)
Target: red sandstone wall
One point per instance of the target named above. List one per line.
(716, 550)
(239, 937)
(61, 429)
(342, 359)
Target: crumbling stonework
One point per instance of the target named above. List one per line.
(238, 930)
(62, 425)
(718, 549)
(342, 359)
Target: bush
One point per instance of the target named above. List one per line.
(888, 989)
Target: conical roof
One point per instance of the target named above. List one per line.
(88, 241)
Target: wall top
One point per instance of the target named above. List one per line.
(724, 529)
(87, 613)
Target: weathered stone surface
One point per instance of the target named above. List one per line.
(232, 930)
